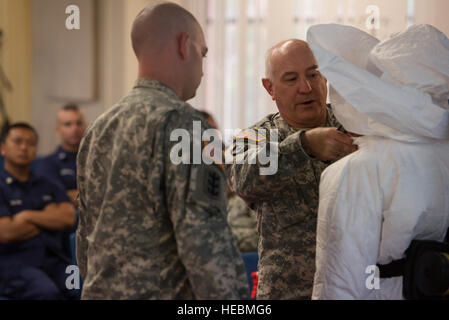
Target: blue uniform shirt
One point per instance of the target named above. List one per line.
(60, 168)
(34, 194)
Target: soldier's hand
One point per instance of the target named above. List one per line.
(327, 144)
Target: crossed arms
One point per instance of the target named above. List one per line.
(29, 223)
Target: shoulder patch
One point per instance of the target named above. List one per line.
(208, 186)
(252, 135)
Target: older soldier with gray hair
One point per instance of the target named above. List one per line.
(287, 201)
(150, 229)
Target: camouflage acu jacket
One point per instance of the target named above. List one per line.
(286, 204)
(150, 229)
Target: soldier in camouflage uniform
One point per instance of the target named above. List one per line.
(286, 202)
(150, 229)
(243, 223)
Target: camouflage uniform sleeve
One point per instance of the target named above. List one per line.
(81, 234)
(196, 201)
(81, 250)
(246, 174)
(243, 223)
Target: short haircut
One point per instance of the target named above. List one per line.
(71, 107)
(157, 24)
(18, 125)
(268, 69)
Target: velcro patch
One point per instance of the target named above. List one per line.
(208, 186)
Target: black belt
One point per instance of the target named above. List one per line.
(393, 269)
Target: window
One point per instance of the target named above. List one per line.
(239, 32)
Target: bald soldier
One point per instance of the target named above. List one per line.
(286, 202)
(151, 229)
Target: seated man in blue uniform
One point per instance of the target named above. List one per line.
(60, 166)
(33, 213)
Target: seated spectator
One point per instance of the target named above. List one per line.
(33, 212)
(60, 166)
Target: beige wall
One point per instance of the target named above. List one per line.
(15, 56)
(116, 67)
(434, 12)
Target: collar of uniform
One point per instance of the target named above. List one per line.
(9, 179)
(157, 85)
(63, 154)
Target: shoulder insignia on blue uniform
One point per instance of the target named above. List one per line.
(9, 180)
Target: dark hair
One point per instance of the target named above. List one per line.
(18, 125)
(70, 107)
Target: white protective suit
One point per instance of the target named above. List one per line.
(395, 188)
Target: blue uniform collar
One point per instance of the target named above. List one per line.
(9, 179)
(63, 154)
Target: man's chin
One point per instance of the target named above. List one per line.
(310, 116)
(74, 144)
(22, 163)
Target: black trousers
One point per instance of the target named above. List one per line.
(47, 282)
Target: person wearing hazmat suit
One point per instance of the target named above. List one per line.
(395, 188)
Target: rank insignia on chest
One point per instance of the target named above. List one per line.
(15, 202)
(67, 172)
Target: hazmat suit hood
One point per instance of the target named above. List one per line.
(391, 88)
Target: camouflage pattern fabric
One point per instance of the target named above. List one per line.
(149, 229)
(286, 205)
(243, 223)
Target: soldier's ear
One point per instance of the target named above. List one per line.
(183, 45)
(268, 85)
